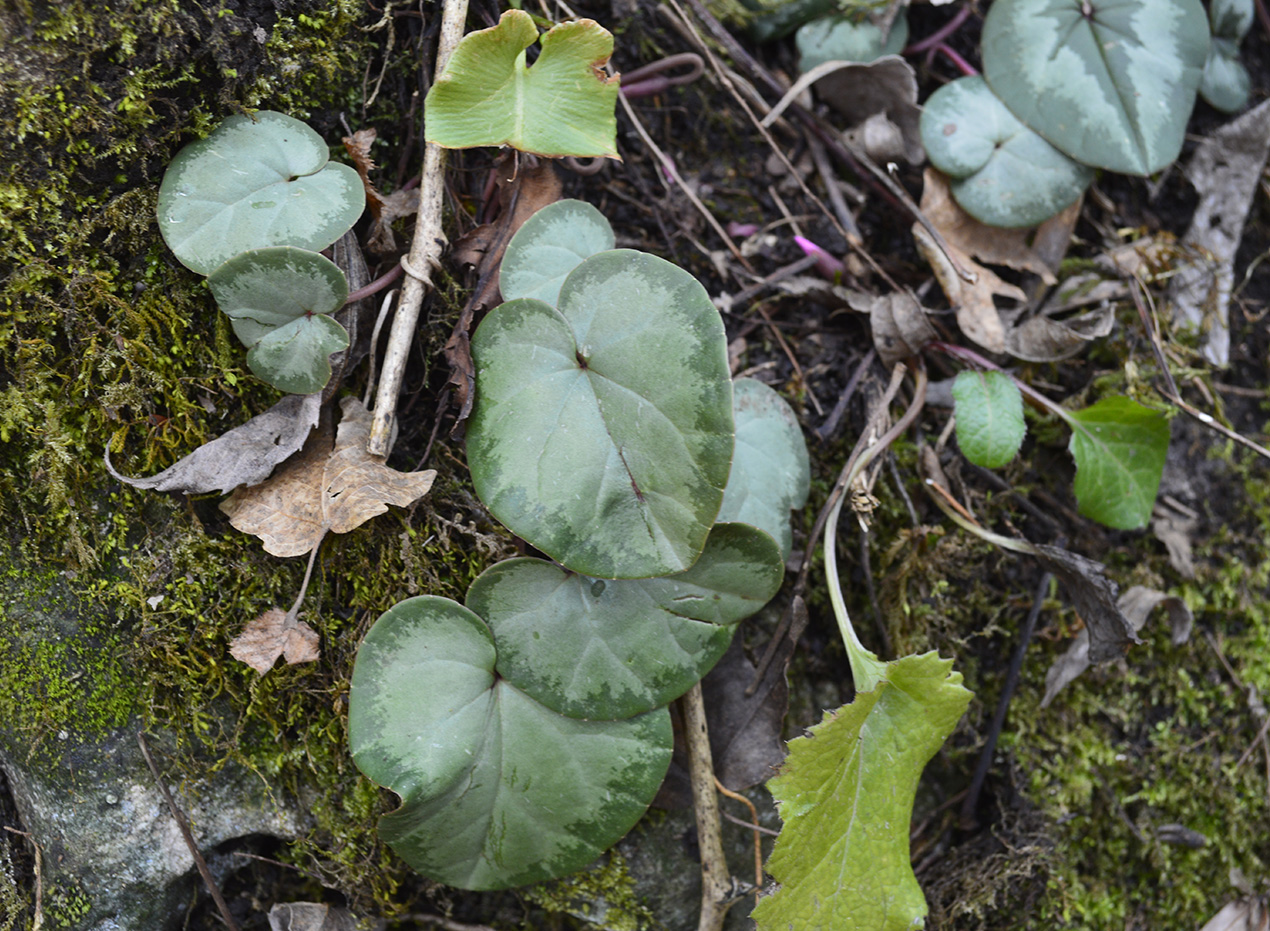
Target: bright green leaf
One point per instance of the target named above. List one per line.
(1119, 447)
(552, 243)
(564, 105)
(254, 182)
(989, 411)
(846, 796)
(1113, 89)
(496, 790)
(602, 431)
(771, 474)
(1003, 173)
(847, 38)
(278, 299)
(605, 650)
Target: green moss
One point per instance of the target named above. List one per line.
(602, 895)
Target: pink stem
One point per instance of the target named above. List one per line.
(963, 66)
(940, 34)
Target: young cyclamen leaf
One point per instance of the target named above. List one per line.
(1119, 447)
(262, 180)
(989, 412)
(564, 105)
(846, 796)
(552, 243)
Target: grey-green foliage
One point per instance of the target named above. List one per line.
(249, 206)
(1226, 83)
(847, 38)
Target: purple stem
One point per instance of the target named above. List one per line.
(652, 78)
(962, 65)
(937, 37)
(377, 285)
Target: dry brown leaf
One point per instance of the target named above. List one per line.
(977, 315)
(1247, 914)
(275, 634)
(324, 488)
(383, 209)
(898, 322)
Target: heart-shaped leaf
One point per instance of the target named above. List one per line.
(847, 38)
(602, 431)
(606, 650)
(552, 243)
(989, 410)
(278, 299)
(771, 474)
(1119, 447)
(563, 105)
(1226, 84)
(1004, 174)
(255, 181)
(1109, 82)
(496, 789)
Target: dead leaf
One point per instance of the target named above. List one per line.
(1174, 526)
(357, 317)
(275, 634)
(1247, 914)
(899, 324)
(1043, 338)
(243, 456)
(1054, 236)
(1094, 596)
(1225, 170)
(977, 314)
(335, 488)
(1134, 606)
(383, 209)
(310, 916)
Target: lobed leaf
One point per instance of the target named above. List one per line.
(989, 412)
(1119, 447)
(256, 181)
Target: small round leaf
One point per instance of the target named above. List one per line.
(296, 357)
(602, 431)
(603, 650)
(552, 243)
(1003, 173)
(496, 790)
(254, 182)
(771, 474)
(1109, 82)
(842, 38)
(989, 411)
(1226, 84)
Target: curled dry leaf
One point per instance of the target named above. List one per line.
(899, 324)
(327, 487)
(1174, 525)
(310, 916)
(243, 456)
(384, 209)
(1135, 605)
(1247, 914)
(275, 634)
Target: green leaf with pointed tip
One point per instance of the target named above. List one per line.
(843, 38)
(602, 431)
(846, 796)
(278, 299)
(989, 412)
(564, 105)
(552, 243)
(771, 474)
(1113, 89)
(1119, 447)
(496, 790)
(606, 650)
(1003, 173)
(255, 182)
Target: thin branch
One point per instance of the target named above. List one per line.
(716, 880)
(755, 826)
(425, 252)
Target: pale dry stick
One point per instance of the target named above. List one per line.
(425, 252)
(716, 880)
(667, 165)
(848, 230)
(37, 922)
(179, 817)
(374, 343)
(755, 826)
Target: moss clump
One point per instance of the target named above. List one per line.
(602, 895)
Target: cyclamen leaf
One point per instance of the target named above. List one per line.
(1119, 447)
(989, 411)
(846, 796)
(564, 105)
(552, 243)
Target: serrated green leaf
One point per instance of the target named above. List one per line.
(496, 789)
(1114, 88)
(847, 38)
(771, 473)
(564, 105)
(552, 243)
(1119, 447)
(846, 796)
(1003, 173)
(254, 182)
(602, 431)
(606, 650)
(989, 412)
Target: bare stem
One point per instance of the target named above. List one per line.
(716, 880)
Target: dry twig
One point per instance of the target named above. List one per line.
(716, 880)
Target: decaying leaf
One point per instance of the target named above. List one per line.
(1094, 596)
(899, 325)
(1135, 605)
(310, 916)
(326, 488)
(275, 634)
(1174, 525)
(384, 209)
(1246, 914)
(1044, 338)
(243, 456)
